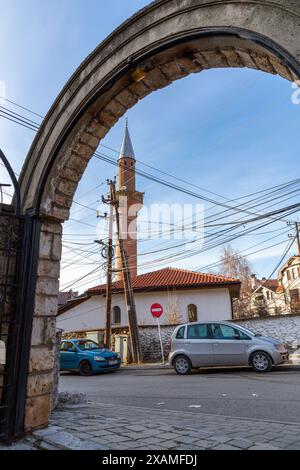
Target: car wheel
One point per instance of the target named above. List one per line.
(85, 369)
(261, 362)
(182, 365)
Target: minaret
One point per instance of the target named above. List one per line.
(130, 202)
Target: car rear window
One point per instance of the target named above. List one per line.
(180, 333)
(198, 332)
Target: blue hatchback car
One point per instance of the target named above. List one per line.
(87, 357)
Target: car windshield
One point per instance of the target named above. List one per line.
(87, 345)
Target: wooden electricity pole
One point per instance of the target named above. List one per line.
(107, 335)
(297, 237)
(129, 298)
(108, 253)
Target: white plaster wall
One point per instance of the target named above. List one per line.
(212, 304)
(88, 315)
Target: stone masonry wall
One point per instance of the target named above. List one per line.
(150, 342)
(43, 342)
(284, 328)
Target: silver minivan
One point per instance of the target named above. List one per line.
(221, 343)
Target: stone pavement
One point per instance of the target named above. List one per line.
(108, 427)
(126, 427)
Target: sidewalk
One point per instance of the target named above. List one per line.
(110, 427)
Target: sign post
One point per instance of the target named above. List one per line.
(157, 311)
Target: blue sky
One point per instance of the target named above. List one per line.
(232, 131)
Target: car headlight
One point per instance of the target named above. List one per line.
(118, 356)
(99, 359)
(280, 348)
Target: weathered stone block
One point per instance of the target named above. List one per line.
(89, 139)
(281, 69)
(126, 98)
(232, 58)
(48, 268)
(45, 305)
(139, 89)
(63, 200)
(263, 63)
(38, 331)
(77, 163)
(214, 58)
(48, 287)
(107, 119)
(37, 412)
(41, 358)
(51, 227)
(50, 331)
(246, 59)
(97, 129)
(39, 384)
(67, 187)
(156, 79)
(190, 64)
(56, 248)
(60, 213)
(45, 245)
(172, 70)
(70, 174)
(116, 108)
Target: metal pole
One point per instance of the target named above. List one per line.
(161, 343)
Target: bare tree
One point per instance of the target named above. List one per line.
(173, 310)
(237, 266)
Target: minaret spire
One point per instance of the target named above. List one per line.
(130, 202)
(126, 149)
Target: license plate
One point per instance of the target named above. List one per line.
(113, 363)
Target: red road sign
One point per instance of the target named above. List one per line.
(156, 310)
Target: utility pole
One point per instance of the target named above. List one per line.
(129, 298)
(297, 237)
(108, 253)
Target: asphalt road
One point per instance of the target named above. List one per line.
(233, 392)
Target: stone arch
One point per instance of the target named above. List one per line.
(160, 44)
(168, 40)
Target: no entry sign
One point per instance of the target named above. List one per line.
(156, 310)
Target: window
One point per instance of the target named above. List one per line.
(192, 313)
(197, 332)
(66, 345)
(87, 345)
(116, 315)
(180, 333)
(224, 332)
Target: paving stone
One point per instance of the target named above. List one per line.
(241, 443)
(225, 447)
(263, 447)
(220, 439)
(65, 440)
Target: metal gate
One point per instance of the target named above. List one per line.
(19, 236)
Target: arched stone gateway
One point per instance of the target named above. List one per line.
(161, 43)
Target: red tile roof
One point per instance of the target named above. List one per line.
(271, 284)
(171, 278)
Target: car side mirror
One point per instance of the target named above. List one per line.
(236, 336)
